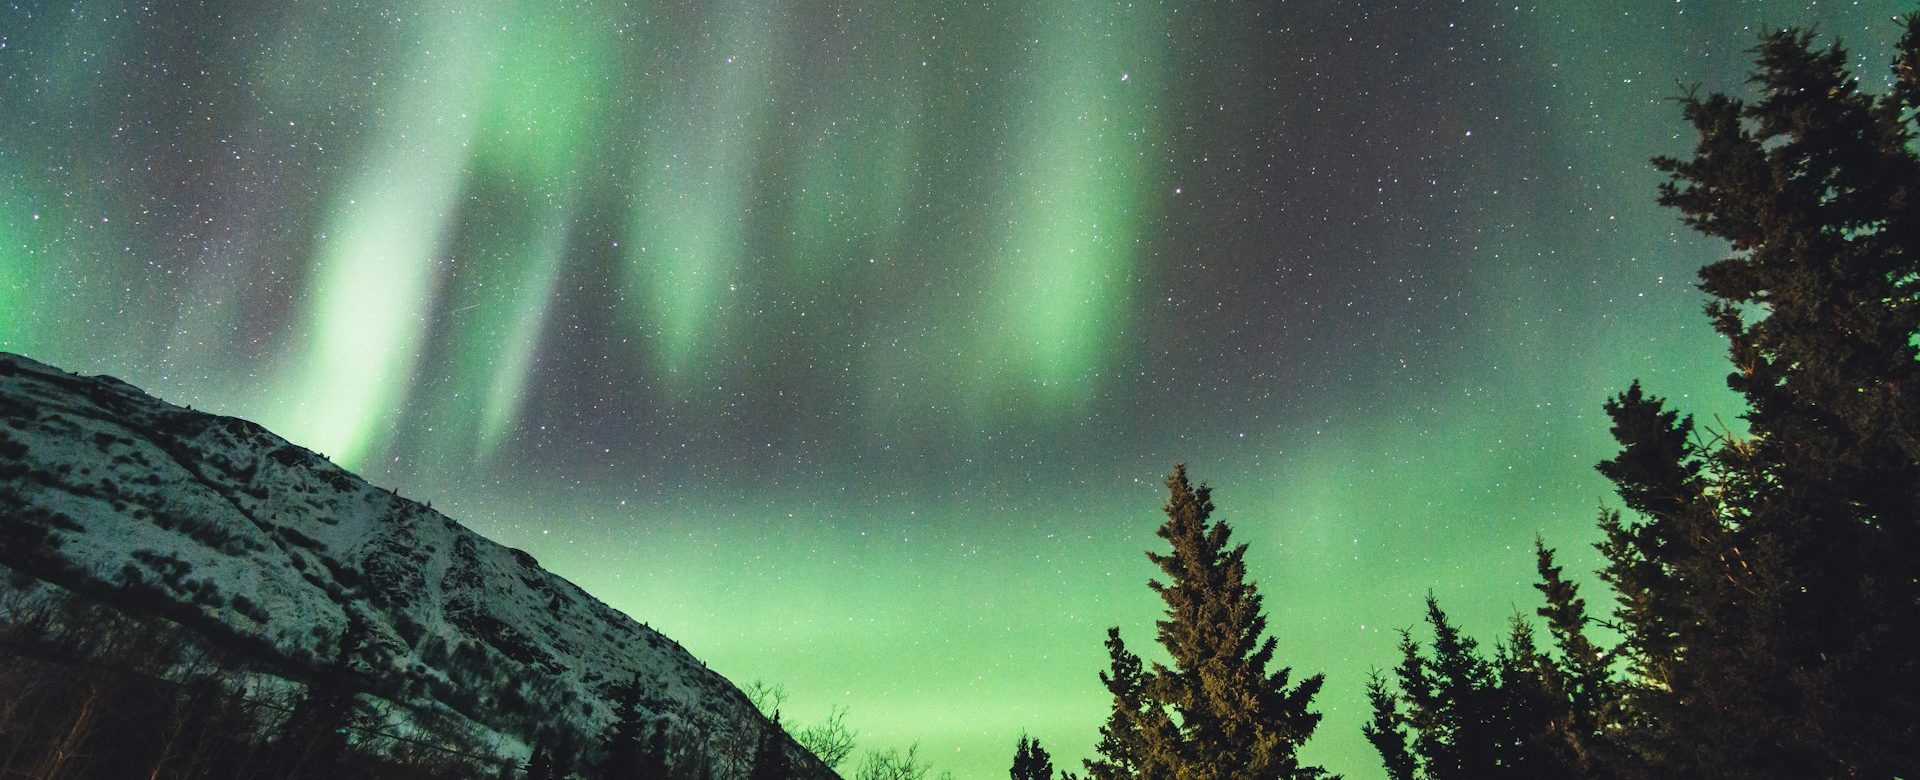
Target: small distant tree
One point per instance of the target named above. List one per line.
(1579, 698)
(831, 740)
(1122, 745)
(1030, 761)
(1219, 711)
(767, 697)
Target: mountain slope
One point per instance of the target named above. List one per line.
(258, 544)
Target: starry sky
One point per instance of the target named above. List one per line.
(848, 343)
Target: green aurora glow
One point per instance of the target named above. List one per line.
(848, 344)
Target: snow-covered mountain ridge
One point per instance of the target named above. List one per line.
(236, 534)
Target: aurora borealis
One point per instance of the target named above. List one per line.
(848, 344)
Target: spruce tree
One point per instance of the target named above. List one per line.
(1218, 712)
(1387, 730)
(1766, 580)
(1122, 747)
(1575, 687)
(1451, 714)
(1532, 706)
(1030, 761)
(1452, 697)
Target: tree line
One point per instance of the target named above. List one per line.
(1764, 584)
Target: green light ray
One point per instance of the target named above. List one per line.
(1076, 198)
(692, 183)
(526, 176)
(856, 182)
(373, 282)
(506, 388)
(496, 304)
(856, 155)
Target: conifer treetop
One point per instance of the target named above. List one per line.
(1218, 711)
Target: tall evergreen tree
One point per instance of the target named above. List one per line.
(1574, 688)
(1030, 761)
(1767, 580)
(1218, 712)
(1387, 730)
(1120, 752)
(1533, 706)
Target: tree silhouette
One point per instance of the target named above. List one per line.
(892, 764)
(1766, 606)
(1030, 761)
(1122, 748)
(1451, 714)
(540, 764)
(1767, 580)
(1574, 691)
(1218, 712)
(831, 740)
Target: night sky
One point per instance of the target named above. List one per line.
(849, 344)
